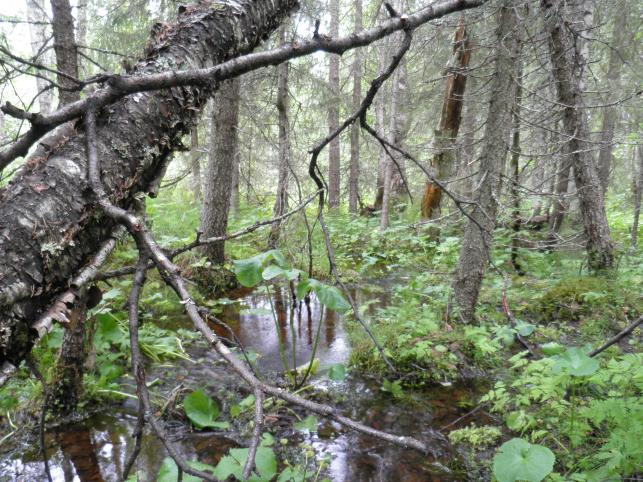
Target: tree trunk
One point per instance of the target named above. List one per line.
(638, 189)
(334, 180)
(447, 131)
(281, 202)
(382, 159)
(478, 233)
(389, 165)
(560, 201)
(515, 173)
(55, 224)
(569, 67)
(66, 51)
(195, 163)
(398, 130)
(224, 147)
(353, 176)
(610, 112)
(38, 33)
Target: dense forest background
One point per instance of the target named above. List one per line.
(397, 241)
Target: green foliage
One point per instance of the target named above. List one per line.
(518, 460)
(202, 411)
(308, 424)
(337, 372)
(591, 417)
(476, 437)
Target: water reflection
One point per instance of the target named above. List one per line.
(96, 449)
(298, 326)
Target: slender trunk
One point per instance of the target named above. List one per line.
(281, 202)
(478, 233)
(382, 159)
(560, 201)
(611, 112)
(81, 34)
(398, 129)
(224, 146)
(56, 228)
(195, 164)
(569, 70)
(389, 165)
(66, 51)
(515, 172)
(353, 176)
(447, 131)
(334, 180)
(638, 189)
(39, 38)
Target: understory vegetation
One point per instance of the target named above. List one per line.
(587, 411)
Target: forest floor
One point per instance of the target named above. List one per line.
(466, 389)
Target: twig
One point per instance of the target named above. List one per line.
(256, 434)
(622, 334)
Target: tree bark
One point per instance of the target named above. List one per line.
(638, 189)
(569, 71)
(38, 34)
(195, 163)
(334, 178)
(353, 176)
(50, 225)
(611, 112)
(389, 165)
(447, 131)
(66, 51)
(281, 201)
(478, 234)
(515, 176)
(224, 147)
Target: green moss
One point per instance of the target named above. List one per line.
(575, 298)
(476, 437)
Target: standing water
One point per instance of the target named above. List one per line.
(96, 448)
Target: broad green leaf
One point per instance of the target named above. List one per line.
(306, 285)
(517, 460)
(169, 472)
(331, 298)
(273, 271)
(576, 363)
(248, 271)
(524, 328)
(337, 372)
(308, 424)
(202, 410)
(552, 348)
(265, 465)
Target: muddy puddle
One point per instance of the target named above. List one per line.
(96, 449)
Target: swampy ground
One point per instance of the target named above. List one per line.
(463, 389)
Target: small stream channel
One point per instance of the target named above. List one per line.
(96, 448)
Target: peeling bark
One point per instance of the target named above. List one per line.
(447, 131)
(50, 225)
